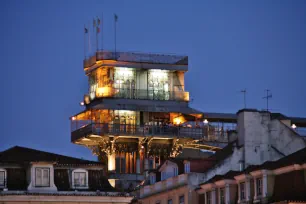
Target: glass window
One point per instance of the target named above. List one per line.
(181, 199)
(170, 201)
(42, 177)
(175, 172)
(259, 186)
(208, 197)
(242, 191)
(187, 167)
(80, 179)
(152, 179)
(2, 178)
(222, 196)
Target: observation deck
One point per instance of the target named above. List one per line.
(136, 60)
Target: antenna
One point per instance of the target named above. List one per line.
(244, 91)
(267, 97)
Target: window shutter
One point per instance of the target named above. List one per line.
(46, 179)
(38, 177)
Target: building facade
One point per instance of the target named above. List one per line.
(281, 181)
(137, 114)
(33, 176)
(262, 138)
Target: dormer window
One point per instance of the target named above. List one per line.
(187, 167)
(42, 177)
(79, 178)
(2, 178)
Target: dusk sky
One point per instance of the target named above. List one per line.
(231, 45)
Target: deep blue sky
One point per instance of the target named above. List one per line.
(231, 45)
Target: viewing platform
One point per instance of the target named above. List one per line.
(92, 132)
(141, 94)
(131, 59)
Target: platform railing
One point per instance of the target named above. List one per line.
(125, 93)
(205, 134)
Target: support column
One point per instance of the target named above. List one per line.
(146, 163)
(131, 162)
(137, 162)
(127, 160)
(265, 185)
(248, 189)
(112, 162)
(154, 162)
(213, 196)
(227, 194)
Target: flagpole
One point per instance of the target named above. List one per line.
(89, 42)
(115, 18)
(102, 32)
(97, 32)
(84, 41)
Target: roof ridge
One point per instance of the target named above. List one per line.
(42, 151)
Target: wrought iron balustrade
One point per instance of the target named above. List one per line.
(127, 93)
(147, 130)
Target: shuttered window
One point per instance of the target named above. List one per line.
(42, 177)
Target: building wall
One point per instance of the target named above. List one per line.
(265, 139)
(261, 140)
(40, 199)
(230, 163)
(191, 197)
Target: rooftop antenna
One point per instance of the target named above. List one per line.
(267, 97)
(244, 91)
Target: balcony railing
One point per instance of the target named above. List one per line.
(78, 131)
(151, 58)
(109, 92)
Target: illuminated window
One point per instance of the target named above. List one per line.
(42, 177)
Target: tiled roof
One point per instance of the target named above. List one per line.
(222, 154)
(228, 175)
(21, 155)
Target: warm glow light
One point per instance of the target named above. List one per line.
(186, 96)
(142, 147)
(111, 162)
(112, 182)
(205, 121)
(293, 126)
(82, 103)
(95, 136)
(85, 139)
(103, 91)
(177, 121)
(86, 99)
(73, 118)
(122, 71)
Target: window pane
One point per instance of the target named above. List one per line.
(170, 201)
(46, 179)
(38, 177)
(2, 178)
